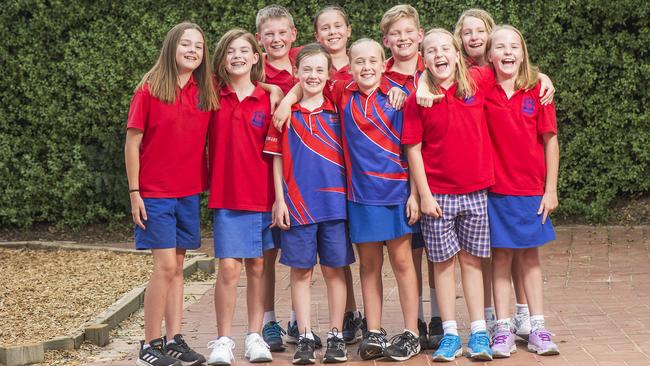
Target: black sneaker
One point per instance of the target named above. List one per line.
(272, 335)
(336, 351)
(155, 355)
(402, 347)
(424, 337)
(372, 346)
(364, 328)
(304, 352)
(182, 352)
(435, 332)
(293, 335)
(351, 328)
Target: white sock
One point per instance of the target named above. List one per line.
(357, 314)
(450, 327)
(146, 345)
(171, 341)
(421, 309)
(374, 331)
(489, 313)
(309, 335)
(536, 322)
(521, 309)
(293, 316)
(269, 316)
(478, 326)
(433, 303)
(503, 324)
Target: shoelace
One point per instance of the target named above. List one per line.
(219, 343)
(446, 342)
(260, 342)
(482, 340)
(303, 344)
(181, 343)
(378, 337)
(275, 330)
(544, 335)
(500, 339)
(335, 341)
(348, 322)
(403, 341)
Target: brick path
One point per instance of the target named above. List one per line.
(597, 302)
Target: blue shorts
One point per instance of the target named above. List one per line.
(243, 234)
(514, 222)
(329, 239)
(171, 223)
(377, 223)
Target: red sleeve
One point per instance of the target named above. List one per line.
(483, 76)
(546, 118)
(412, 127)
(139, 110)
(273, 141)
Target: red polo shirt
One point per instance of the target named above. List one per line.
(240, 174)
(280, 77)
(408, 83)
(342, 74)
(516, 127)
(455, 141)
(172, 153)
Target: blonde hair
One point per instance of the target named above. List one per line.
(221, 53)
(334, 8)
(272, 12)
(465, 84)
(527, 73)
(162, 78)
(396, 13)
(475, 13)
(368, 40)
(311, 50)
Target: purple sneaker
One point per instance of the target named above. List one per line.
(503, 344)
(541, 343)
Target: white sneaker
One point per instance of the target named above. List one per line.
(256, 349)
(521, 325)
(221, 351)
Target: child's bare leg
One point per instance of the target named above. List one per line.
(301, 297)
(268, 276)
(486, 268)
(174, 305)
(518, 283)
(401, 260)
(472, 276)
(501, 264)
(351, 303)
(417, 262)
(162, 277)
(532, 280)
(336, 289)
(254, 293)
(446, 288)
(225, 294)
(371, 259)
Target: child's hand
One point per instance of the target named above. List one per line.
(138, 212)
(546, 90)
(396, 97)
(280, 214)
(281, 116)
(276, 96)
(412, 209)
(430, 207)
(549, 204)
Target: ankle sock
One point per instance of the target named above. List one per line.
(489, 313)
(478, 326)
(450, 327)
(536, 322)
(357, 314)
(521, 309)
(269, 316)
(503, 324)
(293, 316)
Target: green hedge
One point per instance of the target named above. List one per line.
(68, 69)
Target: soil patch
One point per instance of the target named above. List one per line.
(49, 293)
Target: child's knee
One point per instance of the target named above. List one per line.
(502, 256)
(332, 273)
(370, 265)
(255, 267)
(529, 257)
(229, 272)
(302, 274)
(467, 259)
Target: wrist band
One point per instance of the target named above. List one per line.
(134, 190)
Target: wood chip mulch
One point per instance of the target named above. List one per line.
(50, 293)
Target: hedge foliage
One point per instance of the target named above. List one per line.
(68, 69)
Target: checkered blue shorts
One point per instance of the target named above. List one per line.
(463, 225)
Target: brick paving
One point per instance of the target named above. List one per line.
(596, 294)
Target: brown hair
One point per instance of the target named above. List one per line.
(272, 12)
(335, 8)
(475, 13)
(221, 52)
(527, 73)
(396, 13)
(162, 78)
(465, 84)
(311, 50)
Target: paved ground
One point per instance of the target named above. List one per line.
(597, 301)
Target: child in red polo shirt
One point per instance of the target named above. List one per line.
(333, 30)
(241, 190)
(309, 172)
(167, 170)
(450, 160)
(526, 158)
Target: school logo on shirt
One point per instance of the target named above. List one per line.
(529, 105)
(258, 119)
(469, 100)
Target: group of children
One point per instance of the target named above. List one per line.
(310, 152)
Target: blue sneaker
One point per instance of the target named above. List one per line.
(450, 347)
(272, 335)
(479, 346)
